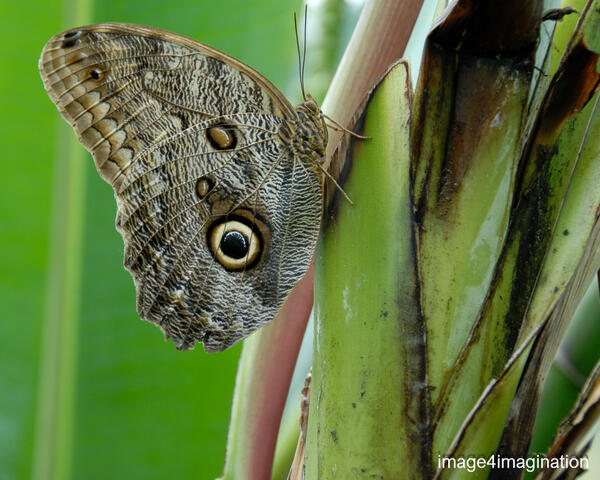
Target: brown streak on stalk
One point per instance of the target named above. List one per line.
(433, 98)
(418, 405)
(414, 342)
(476, 85)
(568, 85)
(519, 426)
(422, 433)
(536, 209)
(574, 86)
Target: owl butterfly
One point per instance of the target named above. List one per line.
(218, 179)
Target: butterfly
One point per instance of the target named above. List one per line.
(218, 179)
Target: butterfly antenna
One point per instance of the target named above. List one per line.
(304, 49)
(300, 67)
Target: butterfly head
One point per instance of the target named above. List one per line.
(310, 131)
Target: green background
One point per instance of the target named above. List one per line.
(132, 406)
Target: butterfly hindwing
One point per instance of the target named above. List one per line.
(197, 148)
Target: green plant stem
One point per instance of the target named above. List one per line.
(367, 336)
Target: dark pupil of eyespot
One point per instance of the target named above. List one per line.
(234, 245)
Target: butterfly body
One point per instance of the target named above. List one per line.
(217, 177)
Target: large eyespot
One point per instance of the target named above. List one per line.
(236, 242)
(221, 137)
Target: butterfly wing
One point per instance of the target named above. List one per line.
(218, 217)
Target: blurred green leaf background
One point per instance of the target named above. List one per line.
(129, 405)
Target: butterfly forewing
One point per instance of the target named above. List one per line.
(218, 217)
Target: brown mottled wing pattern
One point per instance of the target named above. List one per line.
(190, 139)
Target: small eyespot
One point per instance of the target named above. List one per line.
(235, 243)
(71, 41)
(221, 137)
(203, 186)
(71, 34)
(96, 74)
